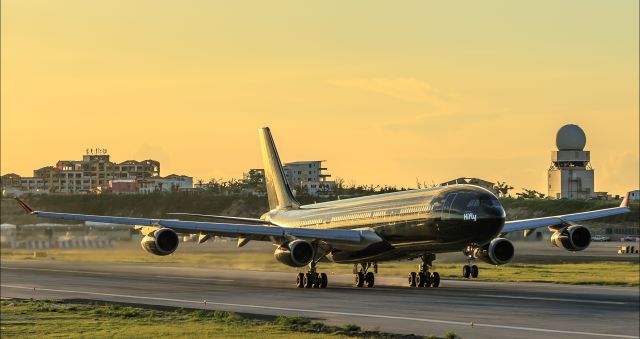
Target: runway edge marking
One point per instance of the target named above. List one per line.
(380, 316)
(109, 273)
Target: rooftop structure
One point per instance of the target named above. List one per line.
(570, 175)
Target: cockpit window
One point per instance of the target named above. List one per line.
(489, 201)
(465, 199)
(473, 203)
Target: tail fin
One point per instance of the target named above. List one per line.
(278, 191)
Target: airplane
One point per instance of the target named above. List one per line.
(363, 231)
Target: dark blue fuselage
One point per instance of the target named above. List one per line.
(411, 223)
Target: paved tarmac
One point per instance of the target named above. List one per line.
(471, 309)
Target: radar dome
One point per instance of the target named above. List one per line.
(570, 138)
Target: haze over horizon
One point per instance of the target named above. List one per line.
(385, 92)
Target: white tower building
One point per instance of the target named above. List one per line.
(571, 175)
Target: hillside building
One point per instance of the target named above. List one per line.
(93, 174)
(170, 183)
(308, 176)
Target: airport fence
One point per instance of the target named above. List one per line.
(42, 244)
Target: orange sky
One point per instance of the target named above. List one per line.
(387, 92)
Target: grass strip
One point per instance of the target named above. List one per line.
(49, 318)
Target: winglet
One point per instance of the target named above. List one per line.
(625, 201)
(24, 206)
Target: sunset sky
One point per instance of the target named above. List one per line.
(385, 91)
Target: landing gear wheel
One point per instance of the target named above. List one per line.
(317, 281)
(323, 280)
(435, 279)
(359, 279)
(412, 279)
(427, 279)
(466, 271)
(308, 280)
(300, 280)
(423, 278)
(369, 279)
(474, 271)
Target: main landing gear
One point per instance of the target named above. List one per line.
(424, 278)
(363, 276)
(312, 278)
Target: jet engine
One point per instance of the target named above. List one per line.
(297, 253)
(572, 238)
(499, 251)
(160, 242)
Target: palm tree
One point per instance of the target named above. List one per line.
(503, 189)
(530, 194)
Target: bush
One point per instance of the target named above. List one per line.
(351, 327)
(450, 335)
(292, 321)
(119, 312)
(217, 315)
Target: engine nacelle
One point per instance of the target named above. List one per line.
(573, 238)
(160, 242)
(297, 253)
(499, 251)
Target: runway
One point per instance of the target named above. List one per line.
(471, 309)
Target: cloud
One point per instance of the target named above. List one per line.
(408, 89)
(443, 122)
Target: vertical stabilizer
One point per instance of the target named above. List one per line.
(278, 191)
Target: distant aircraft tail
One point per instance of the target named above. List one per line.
(278, 190)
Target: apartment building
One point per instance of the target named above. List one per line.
(309, 176)
(91, 174)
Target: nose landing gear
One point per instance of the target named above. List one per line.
(470, 271)
(424, 278)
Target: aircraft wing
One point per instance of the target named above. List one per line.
(259, 232)
(566, 219)
(224, 218)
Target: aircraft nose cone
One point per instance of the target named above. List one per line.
(477, 214)
(496, 211)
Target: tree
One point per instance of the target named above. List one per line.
(301, 190)
(199, 183)
(503, 189)
(530, 194)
